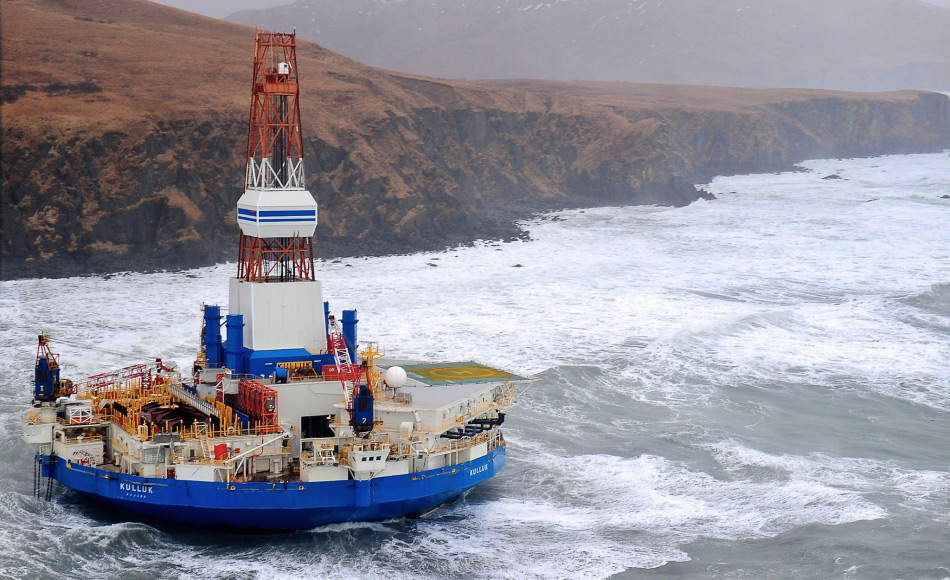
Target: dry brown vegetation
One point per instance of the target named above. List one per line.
(124, 128)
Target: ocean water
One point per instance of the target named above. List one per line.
(756, 386)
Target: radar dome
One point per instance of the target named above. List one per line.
(395, 377)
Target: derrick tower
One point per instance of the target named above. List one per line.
(276, 214)
(275, 301)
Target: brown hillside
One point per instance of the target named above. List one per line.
(124, 128)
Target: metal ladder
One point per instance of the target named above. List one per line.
(38, 476)
(198, 403)
(349, 373)
(205, 441)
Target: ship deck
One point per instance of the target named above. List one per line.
(435, 385)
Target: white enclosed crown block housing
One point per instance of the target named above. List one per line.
(277, 213)
(280, 316)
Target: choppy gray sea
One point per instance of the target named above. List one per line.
(752, 387)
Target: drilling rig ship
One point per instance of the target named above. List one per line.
(284, 422)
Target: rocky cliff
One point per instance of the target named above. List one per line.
(124, 129)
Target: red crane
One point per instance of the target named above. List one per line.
(350, 374)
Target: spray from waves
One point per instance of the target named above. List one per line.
(657, 495)
(560, 546)
(85, 548)
(879, 343)
(464, 542)
(589, 516)
(935, 300)
(923, 490)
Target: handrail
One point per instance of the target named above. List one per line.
(285, 435)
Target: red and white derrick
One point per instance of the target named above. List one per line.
(277, 215)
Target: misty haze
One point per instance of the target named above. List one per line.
(867, 45)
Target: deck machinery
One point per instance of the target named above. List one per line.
(284, 421)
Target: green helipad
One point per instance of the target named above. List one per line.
(459, 372)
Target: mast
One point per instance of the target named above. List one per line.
(277, 215)
(275, 302)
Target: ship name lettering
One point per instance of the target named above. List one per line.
(135, 488)
(478, 470)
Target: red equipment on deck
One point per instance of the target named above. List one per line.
(121, 378)
(349, 372)
(259, 402)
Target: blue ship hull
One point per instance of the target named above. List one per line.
(274, 506)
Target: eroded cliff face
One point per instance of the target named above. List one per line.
(160, 193)
(152, 194)
(96, 181)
